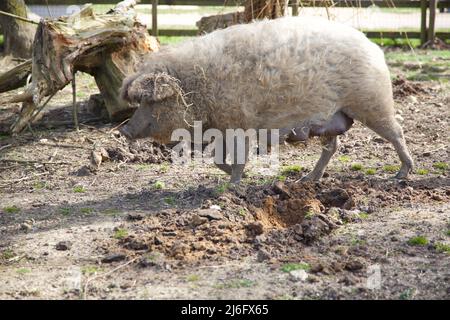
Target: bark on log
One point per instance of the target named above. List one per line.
(15, 77)
(107, 46)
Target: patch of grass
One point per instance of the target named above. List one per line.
(11, 209)
(3, 136)
(90, 270)
(159, 185)
(7, 254)
(144, 166)
(242, 212)
(356, 167)
(222, 188)
(423, 56)
(38, 185)
(193, 278)
(65, 211)
(288, 267)
(391, 168)
(440, 165)
(111, 211)
(427, 65)
(164, 167)
(281, 178)
(86, 210)
(355, 241)
(407, 294)
(422, 172)
(153, 257)
(79, 189)
(263, 181)
(292, 169)
(363, 215)
(371, 171)
(236, 284)
(120, 233)
(448, 233)
(309, 214)
(344, 159)
(164, 40)
(418, 241)
(170, 200)
(23, 270)
(442, 247)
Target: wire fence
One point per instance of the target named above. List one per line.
(386, 18)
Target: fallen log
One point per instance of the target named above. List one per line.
(106, 46)
(15, 77)
(253, 10)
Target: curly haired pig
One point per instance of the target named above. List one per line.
(305, 73)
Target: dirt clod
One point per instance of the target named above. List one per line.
(63, 245)
(254, 229)
(139, 152)
(115, 257)
(337, 198)
(211, 214)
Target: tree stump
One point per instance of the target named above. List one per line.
(107, 46)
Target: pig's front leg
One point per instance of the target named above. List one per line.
(221, 157)
(237, 168)
(329, 147)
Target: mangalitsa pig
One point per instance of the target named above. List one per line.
(309, 74)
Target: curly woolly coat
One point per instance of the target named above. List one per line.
(268, 74)
(275, 74)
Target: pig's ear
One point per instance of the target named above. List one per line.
(149, 87)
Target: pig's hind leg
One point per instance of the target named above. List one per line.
(390, 130)
(236, 171)
(329, 147)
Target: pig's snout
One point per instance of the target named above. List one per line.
(125, 131)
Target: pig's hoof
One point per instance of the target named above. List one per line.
(310, 177)
(235, 182)
(401, 175)
(237, 188)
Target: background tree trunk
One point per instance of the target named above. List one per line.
(260, 9)
(18, 35)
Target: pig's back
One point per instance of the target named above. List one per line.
(275, 73)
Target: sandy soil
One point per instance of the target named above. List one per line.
(139, 227)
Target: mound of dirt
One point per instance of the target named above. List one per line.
(139, 152)
(270, 222)
(243, 224)
(403, 87)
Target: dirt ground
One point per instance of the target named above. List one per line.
(132, 225)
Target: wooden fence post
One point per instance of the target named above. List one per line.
(155, 18)
(295, 8)
(431, 21)
(423, 22)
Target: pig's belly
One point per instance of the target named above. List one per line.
(338, 124)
